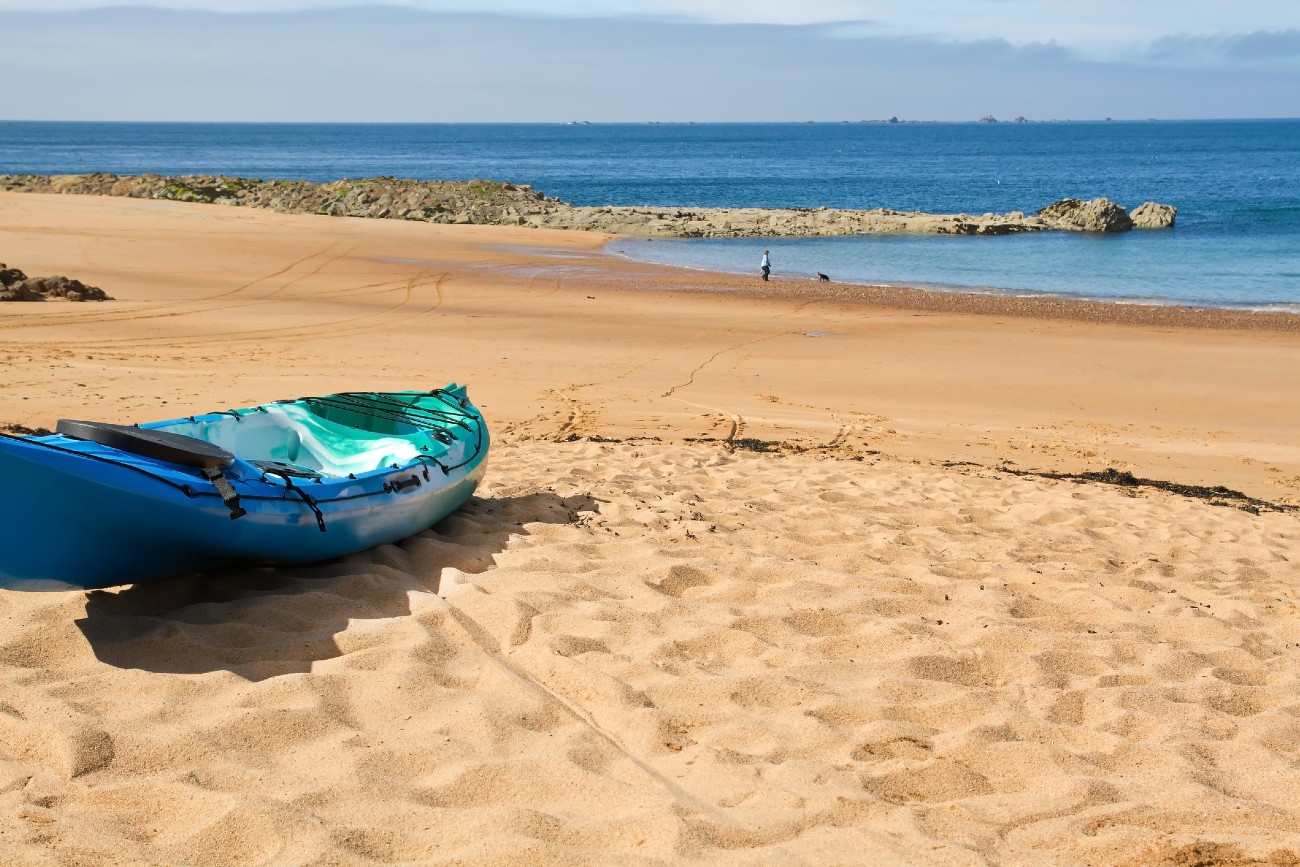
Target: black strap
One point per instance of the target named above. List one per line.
(446, 470)
(306, 498)
(310, 503)
(226, 490)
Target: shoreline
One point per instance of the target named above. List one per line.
(981, 303)
(493, 203)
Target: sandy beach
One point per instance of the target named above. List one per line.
(784, 573)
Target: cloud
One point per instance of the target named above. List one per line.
(1161, 31)
(410, 65)
(1260, 47)
(767, 11)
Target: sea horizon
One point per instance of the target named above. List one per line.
(884, 121)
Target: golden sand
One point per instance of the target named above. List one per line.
(754, 578)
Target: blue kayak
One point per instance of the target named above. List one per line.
(295, 481)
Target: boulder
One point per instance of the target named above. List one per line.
(17, 286)
(1153, 215)
(10, 276)
(20, 292)
(1098, 215)
(69, 289)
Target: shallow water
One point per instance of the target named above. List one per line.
(1172, 266)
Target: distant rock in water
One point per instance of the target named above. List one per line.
(1099, 215)
(495, 203)
(17, 286)
(1152, 215)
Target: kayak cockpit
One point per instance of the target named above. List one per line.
(291, 435)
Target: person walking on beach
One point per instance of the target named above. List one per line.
(766, 267)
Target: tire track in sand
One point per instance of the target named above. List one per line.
(166, 309)
(336, 328)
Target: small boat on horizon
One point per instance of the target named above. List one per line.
(294, 481)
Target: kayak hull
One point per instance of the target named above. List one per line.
(84, 515)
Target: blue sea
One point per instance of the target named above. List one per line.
(1236, 185)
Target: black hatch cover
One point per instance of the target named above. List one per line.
(164, 446)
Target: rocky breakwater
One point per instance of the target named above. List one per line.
(496, 203)
(1073, 215)
(17, 286)
(479, 202)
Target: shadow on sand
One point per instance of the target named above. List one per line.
(261, 622)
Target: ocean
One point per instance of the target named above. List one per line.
(1236, 185)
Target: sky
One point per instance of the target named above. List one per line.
(647, 60)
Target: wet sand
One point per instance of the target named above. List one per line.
(759, 573)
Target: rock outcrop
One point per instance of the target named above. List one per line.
(1099, 215)
(431, 201)
(496, 203)
(17, 286)
(1152, 215)
(784, 222)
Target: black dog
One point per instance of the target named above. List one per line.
(822, 277)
